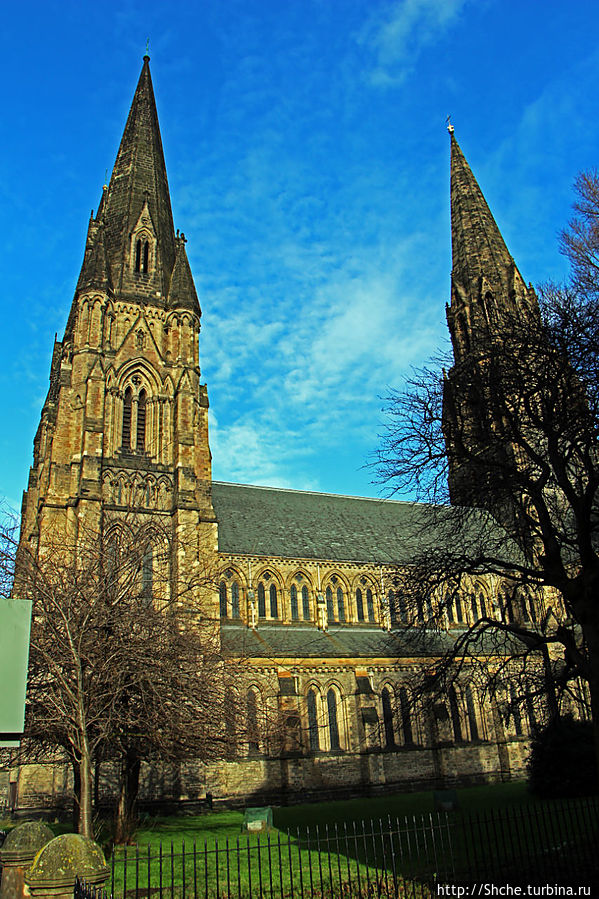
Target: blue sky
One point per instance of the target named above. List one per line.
(308, 163)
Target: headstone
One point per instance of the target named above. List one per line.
(446, 800)
(64, 859)
(256, 820)
(19, 849)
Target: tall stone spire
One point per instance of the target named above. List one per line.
(485, 282)
(137, 205)
(476, 242)
(488, 296)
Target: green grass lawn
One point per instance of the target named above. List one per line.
(217, 853)
(209, 853)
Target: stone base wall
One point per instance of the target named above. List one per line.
(280, 781)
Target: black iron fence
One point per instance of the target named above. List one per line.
(418, 856)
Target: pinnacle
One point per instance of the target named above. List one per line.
(182, 293)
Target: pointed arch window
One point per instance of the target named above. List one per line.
(459, 612)
(370, 604)
(515, 711)
(222, 597)
(147, 574)
(305, 603)
(231, 705)
(406, 720)
(235, 600)
(471, 710)
(145, 267)
(388, 718)
(430, 613)
(141, 421)
(403, 608)
(482, 606)
(294, 605)
(127, 407)
(359, 605)
(333, 720)
(449, 607)
(138, 255)
(252, 720)
(261, 601)
(313, 735)
(274, 602)
(455, 715)
(330, 607)
(340, 604)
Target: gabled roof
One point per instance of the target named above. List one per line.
(270, 521)
(297, 524)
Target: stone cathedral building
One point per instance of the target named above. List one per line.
(305, 589)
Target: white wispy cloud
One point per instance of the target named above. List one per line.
(399, 34)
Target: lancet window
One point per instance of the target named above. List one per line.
(127, 406)
(388, 718)
(406, 718)
(313, 735)
(142, 257)
(147, 574)
(333, 719)
(370, 604)
(253, 735)
(305, 603)
(141, 421)
(294, 604)
(359, 605)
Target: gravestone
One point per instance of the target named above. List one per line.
(56, 867)
(256, 820)
(19, 849)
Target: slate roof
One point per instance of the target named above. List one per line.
(305, 641)
(270, 521)
(350, 641)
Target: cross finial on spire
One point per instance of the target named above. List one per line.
(147, 53)
(450, 127)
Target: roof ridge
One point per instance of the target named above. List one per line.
(373, 499)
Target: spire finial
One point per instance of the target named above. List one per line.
(147, 53)
(450, 127)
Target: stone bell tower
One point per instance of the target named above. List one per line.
(124, 428)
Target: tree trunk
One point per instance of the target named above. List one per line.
(126, 808)
(85, 800)
(594, 691)
(76, 792)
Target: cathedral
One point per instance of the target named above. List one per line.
(304, 592)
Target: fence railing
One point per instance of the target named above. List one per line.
(395, 857)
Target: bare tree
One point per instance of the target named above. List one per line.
(125, 661)
(518, 444)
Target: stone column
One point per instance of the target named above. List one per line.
(18, 851)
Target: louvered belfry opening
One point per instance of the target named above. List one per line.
(127, 408)
(141, 422)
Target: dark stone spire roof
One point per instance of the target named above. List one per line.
(139, 175)
(182, 293)
(478, 249)
(95, 271)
